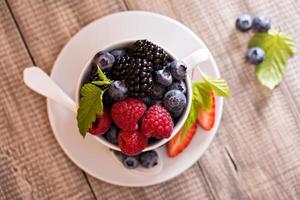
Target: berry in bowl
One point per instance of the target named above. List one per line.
(134, 96)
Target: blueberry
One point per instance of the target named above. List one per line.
(178, 85)
(112, 135)
(104, 60)
(174, 101)
(176, 114)
(163, 77)
(118, 90)
(244, 23)
(261, 24)
(148, 159)
(118, 53)
(157, 91)
(255, 55)
(178, 70)
(131, 162)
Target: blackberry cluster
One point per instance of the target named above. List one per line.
(119, 71)
(153, 53)
(139, 77)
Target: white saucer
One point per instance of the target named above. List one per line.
(88, 153)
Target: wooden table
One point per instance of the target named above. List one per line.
(256, 154)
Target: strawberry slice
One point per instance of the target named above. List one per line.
(207, 119)
(176, 145)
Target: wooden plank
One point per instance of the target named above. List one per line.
(32, 165)
(255, 155)
(57, 22)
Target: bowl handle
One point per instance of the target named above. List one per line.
(194, 59)
(37, 80)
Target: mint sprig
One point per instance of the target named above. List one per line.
(278, 48)
(201, 98)
(91, 103)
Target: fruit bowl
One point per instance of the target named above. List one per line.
(125, 44)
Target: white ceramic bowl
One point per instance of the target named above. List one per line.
(180, 122)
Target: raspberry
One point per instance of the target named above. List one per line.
(157, 123)
(102, 124)
(132, 142)
(127, 113)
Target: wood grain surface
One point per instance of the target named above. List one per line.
(254, 156)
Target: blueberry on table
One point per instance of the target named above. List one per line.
(104, 60)
(112, 135)
(118, 90)
(178, 85)
(261, 24)
(244, 23)
(148, 159)
(178, 70)
(163, 77)
(174, 101)
(118, 53)
(255, 55)
(131, 162)
(157, 91)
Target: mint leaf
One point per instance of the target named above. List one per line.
(102, 75)
(218, 85)
(101, 83)
(278, 48)
(90, 104)
(192, 117)
(201, 94)
(201, 98)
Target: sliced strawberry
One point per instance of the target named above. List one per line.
(176, 145)
(207, 119)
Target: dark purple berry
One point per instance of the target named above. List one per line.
(178, 70)
(148, 159)
(157, 91)
(261, 24)
(118, 90)
(255, 55)
(118, 53)
(104, 60)
(244, 23)
(131, 162)
(178, 85)
(112, 135)
(163, 77)
(174, 101)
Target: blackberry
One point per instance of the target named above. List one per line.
(139, 78)
(153, 53)
(119, 71)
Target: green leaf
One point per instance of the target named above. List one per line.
(202, 98)
(278, 48)
(101, 83)
(218, 85)
(90, 104)
(102, 75)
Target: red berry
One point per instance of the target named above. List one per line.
(102, 123)
(207, 119)
(157, 122)
(127, 113)
(131, 142)
(177, 144)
